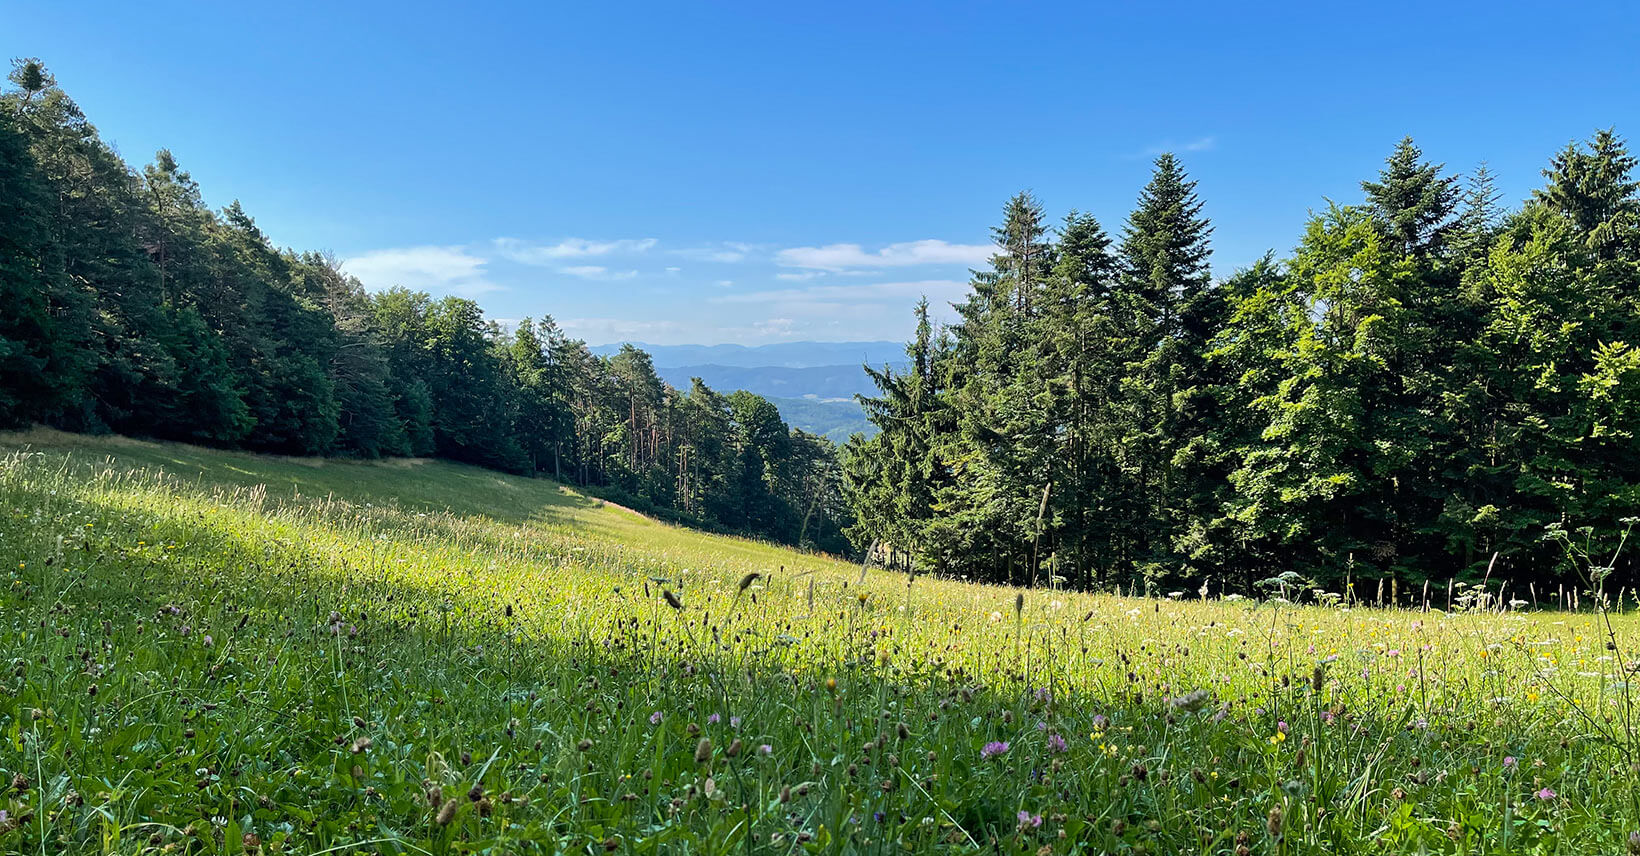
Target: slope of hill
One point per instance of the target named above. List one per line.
(221, 652)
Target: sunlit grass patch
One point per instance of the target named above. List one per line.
(219, 652)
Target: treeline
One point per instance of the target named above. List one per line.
(127, 305)
(1425, 387)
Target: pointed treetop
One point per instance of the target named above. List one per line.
(1164, 244)
(31, 76)
(1412, 198)
(1084, 250)
(1594, 186)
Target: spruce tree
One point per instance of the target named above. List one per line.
(1413, 199)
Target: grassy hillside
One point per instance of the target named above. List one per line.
(215, 652)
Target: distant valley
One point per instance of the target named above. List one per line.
(812, 383)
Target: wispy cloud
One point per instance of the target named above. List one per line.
(445, 270)
(598, 330)
(837, 257)
(774, 328)
(723, 252)
(530, 253)
(936, 290)
(1200, 144)
(597, 272)
(800, 276)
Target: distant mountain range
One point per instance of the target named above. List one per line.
(791, 355)
(812, 383)
(775, 381)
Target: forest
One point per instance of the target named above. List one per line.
(1431, 385)
(1430, 388)
(127, 305)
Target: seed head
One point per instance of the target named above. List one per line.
(447, 813)
(703, 750)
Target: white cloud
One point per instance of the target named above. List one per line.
(599, 330)
(836, 257)
(776, 328)
(527, 253)
(597, 272)
(724, 252)
(936, 290)
(800, 276)
(445, 270)
(1200, 144)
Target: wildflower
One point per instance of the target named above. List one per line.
(993, 749)
(1099, 722)
(1546, 795)
(765, 749)
(734, 722)
(1509, 762)
(1028, 820)
(209, 641)
(1056, 744)
(714, 719)
(655, 718)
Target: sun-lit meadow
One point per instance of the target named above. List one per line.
(211, 652)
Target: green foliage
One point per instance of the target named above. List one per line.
(1424, 386)
(127, 304)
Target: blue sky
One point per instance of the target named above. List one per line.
(752, 173)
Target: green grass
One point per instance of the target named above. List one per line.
(213, 652)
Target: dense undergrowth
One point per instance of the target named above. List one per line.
(211, 652)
